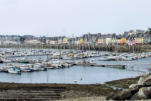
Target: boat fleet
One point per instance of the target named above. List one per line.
(124, 56)
(17, 69)
(20, 60)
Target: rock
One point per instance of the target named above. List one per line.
(147, 81)
(141, 80)
(134, 91)
(135, 97)
(141, 90)
(143, 93)
(147, 91)
(133, 86)
(113, 97)
(126, 95)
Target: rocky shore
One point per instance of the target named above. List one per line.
(137, 91)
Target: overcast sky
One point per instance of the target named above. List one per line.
(73, 17)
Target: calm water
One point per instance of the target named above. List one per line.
(89, 75)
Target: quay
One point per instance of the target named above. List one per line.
(100, 65)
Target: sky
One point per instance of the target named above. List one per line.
(73, 17)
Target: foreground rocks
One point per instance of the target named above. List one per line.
(138, 91)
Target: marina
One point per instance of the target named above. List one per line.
(75, 50)
(70, 66)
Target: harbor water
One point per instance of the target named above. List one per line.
(83, 75)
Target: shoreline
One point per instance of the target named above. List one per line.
(112, 81)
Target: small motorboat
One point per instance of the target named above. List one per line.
(25, 69)
(14, 70)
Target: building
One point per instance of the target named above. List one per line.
(139, 40)
(147, 40)
(65, 41)
(114, 41)
(32, 42)
(123, 41)
(108, 41)
(53, 42)
(60, 41)
(80, 41)
(138, 31)
(100, 41)
(10, 42)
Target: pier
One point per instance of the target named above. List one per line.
(100, 65)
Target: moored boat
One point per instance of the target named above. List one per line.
(14, 70)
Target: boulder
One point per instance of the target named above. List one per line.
(141, 90)
(147, 81)
(147, 91)
(143, 93)
(126, 94)
(134, 86)
(113, 97)
(135, 97)
(134, 91)
(141, 80)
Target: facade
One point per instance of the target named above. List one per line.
(32, 42)
(108, 41)
(65, 41)
(60, 41)
(80, 41)
(10, 42)
(139, 40)
(123, 41)
(140, 37)
(147, 40)
(100, 41)
(114, 41)
(53, 42)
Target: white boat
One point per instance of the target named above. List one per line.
(14, 70)
(65, 64)
(110, 58)
(56, 63)
(124, 58)
(38, 67)
(25, 68)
